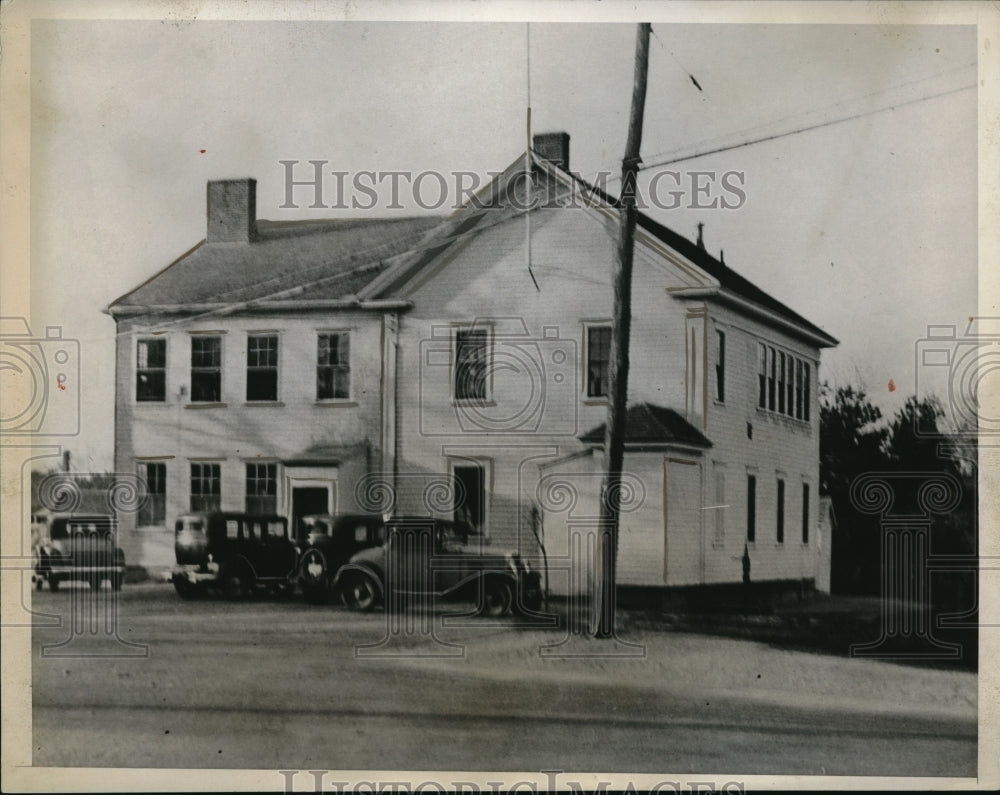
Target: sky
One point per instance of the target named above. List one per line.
(867, 227)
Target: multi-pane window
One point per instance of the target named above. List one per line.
(333, 366)
(262, 367)
(762, 376)
(598, 360)
(205, 487)
(781, 511)
(782, 383)
(262, 488)
(470, 495)
(206, 368)
(720, 366)
(805, 513)
(772, 377)
(471, 359)
(154, 510)
(720, 505)
(151, 369)
(751, 508)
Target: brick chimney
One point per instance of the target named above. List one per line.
(554, 147)
(232, 211)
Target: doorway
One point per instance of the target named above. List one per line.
(306, 501)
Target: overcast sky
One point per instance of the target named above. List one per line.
(867, 227)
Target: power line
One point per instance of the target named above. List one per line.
(805, 114)
(798, 130)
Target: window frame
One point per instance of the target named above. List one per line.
(258, 369)
(213, 477)
(588, 327)
(720, 365)
(339, 367)
(783, 383)
(805, 513)
(155, 507)
(472, 328)
(162, 371)
(270, 477)
(751, 530)
(486, 467)
(201, 337)
(779, 503)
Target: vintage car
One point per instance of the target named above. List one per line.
(78, 547)
(425, 559)
(232, 553)
(329, 543)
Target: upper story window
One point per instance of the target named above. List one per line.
(720, 366)
(262, 367)
(333, 366)
(598, 361)
(471, 358)
(783, 383)
(206, 368)
(151, 369)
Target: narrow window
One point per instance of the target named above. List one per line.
(805, 513)
(781, 511)
(798, 389)
(598, 360)
(790, 386)
(262, 488)
(154, 510)
(262, 367)
(751, 508)
(781, 382)
(762, 377)
(806, 397)
(470, 364)
(206, 369)
(333, 366)
(151, 369)
(772, 372)
(205, 491)
(469, 505)
(720, 505)
(720, 368)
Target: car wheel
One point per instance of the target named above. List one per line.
(185, 588)
(235, 582)
(358, 592)
(497, 597)
(531, 599)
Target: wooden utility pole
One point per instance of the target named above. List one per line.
(602, 623)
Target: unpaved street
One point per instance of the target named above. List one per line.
(279, 684)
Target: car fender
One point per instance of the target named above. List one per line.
(312, 553)
(368, 571)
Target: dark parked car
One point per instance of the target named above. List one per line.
(78, 547)
(232, 552)
(329, 544)
(425, 559)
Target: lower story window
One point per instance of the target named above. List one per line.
(262, 488)
(470, 495)
(154, 510)
(205, 488)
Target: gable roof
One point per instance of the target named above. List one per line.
(469, 221)
(646, 424)
(288, 260)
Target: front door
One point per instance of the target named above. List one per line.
(306, 501)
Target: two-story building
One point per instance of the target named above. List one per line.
(459, 367)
